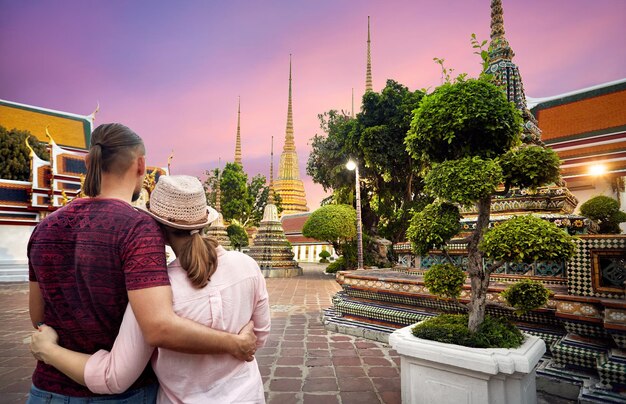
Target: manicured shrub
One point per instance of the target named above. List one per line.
(606, 212)
(445, 280)
(494, 332)
(526, 295)
(338, 265)
(324, 256)
(433, 227)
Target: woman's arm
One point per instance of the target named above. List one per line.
(103, 372)
(35, 303)
(261, 314)
(44, 347)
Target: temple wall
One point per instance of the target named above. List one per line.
(13, 260)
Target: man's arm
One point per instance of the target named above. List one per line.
(35, 303)
(161, 327)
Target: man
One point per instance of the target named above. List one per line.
(90, 258)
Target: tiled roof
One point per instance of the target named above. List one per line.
(292, 224)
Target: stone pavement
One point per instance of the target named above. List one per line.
(301, 363)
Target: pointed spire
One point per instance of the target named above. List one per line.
(499, 47)
(368, 73)
(238, 142)
(270, 198)
(218, 191)
(289, 142)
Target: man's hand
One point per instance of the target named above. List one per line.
(245, 343)
(43, 341)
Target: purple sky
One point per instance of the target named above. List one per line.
(172, 71)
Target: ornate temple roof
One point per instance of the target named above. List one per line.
(71, 130)
(586, 127)
(288, 184)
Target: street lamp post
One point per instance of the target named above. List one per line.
(352, 165)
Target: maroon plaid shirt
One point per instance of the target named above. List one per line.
(85, 257)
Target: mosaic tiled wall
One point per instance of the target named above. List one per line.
(581, 269)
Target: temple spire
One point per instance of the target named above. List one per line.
(499, 48)
(238, 142)
(288, 183)
(270, 198)
(218, 191)
(506, 73)
(289, 142)
(368, 73)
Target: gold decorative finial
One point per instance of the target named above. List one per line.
(64, 198)
(368, 73)
(95, 111)
(32, 152)
(169, 162)
(49, 136)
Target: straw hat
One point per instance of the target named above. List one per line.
(179, 201)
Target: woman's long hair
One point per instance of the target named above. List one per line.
(198, 256)
(113, 149)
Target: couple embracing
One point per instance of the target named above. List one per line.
(112, 317)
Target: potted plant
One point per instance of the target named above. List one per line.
(467, 136)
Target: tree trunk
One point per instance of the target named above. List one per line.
(479, 278)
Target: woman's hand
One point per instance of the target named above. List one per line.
(43, 341)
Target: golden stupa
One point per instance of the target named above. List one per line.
(289, 185)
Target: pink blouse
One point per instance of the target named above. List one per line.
(235, 295)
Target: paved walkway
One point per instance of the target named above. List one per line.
(301, 363)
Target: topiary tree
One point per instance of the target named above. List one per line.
(335, 224)
(606, 212)
(324, 255)
(468, 137)
(238, 236)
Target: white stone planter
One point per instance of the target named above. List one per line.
(437, 373)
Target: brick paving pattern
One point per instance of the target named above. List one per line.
(301, 363)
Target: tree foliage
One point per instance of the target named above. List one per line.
(238, 236)
(527, 238)
(433, 226)
(606, 211)
(14, 154)
(335, 224)
(241, 201)
(526, 295)
(466, 118)
(375, 137)
(530, 166)
(445, 280)
(465, 180)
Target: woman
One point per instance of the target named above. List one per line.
(221, 289)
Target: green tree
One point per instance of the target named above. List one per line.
(468, 137)
(335, 224)
(14, 154)
(376, 139)
(241, 201)
(238, 236)
(606, 212)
